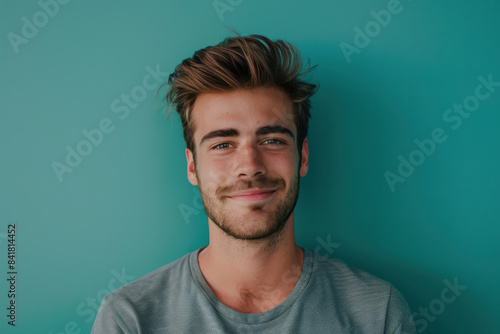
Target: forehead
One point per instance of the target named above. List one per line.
(242, 109)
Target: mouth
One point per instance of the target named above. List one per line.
(254, 196)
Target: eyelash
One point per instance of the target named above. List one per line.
(278, 143)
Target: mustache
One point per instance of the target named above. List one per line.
(260, 183)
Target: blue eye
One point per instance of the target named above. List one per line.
(276, 142)
(220, 149)
(271, 142)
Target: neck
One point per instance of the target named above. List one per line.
(251, 276)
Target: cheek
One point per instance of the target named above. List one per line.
(284, 165)
(214, 174)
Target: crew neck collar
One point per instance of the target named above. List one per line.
(252, 318)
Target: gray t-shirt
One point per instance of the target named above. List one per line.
(329, 297)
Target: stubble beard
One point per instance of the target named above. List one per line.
(267, 226)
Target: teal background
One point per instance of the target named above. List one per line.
(121, 209)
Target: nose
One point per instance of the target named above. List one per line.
(248, 161)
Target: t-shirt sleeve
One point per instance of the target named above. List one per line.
(106, 320)
(398, 316)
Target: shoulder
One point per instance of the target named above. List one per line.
(145, 293)
(341, 276)
(360, 293)
(136, 305)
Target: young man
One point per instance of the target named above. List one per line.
(244, 109)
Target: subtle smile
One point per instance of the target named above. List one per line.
(253, 196)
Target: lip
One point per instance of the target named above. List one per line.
(253, 195)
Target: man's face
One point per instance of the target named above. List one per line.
(246, 142)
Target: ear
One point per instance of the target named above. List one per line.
(304, 164)
(191, 174)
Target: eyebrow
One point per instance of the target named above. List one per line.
(264, 130)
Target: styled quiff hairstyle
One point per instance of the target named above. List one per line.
(241, 63)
